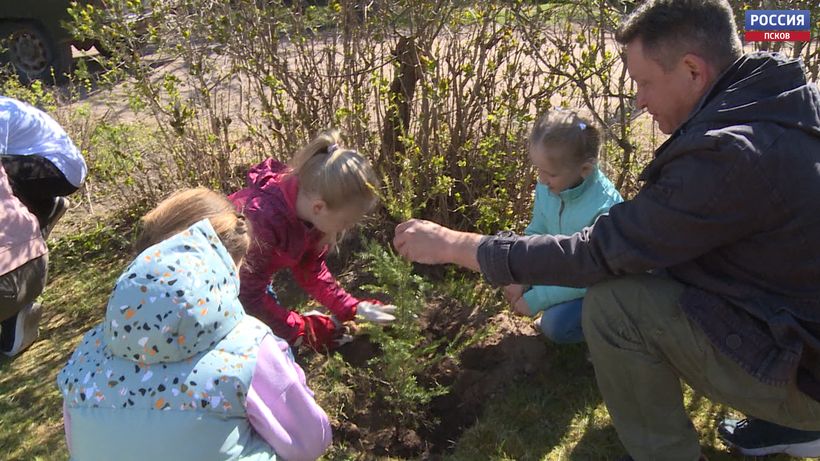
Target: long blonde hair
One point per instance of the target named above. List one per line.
(188, 206)
(339, 176)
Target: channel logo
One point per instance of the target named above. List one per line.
(778, 26)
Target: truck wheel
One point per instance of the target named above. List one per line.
(33, 53)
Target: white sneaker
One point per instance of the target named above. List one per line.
(26, 329)
(61, 205)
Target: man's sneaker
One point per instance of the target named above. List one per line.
(756, 437)
(61, 205)
(20, 331)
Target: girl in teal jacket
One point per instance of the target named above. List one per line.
(570, 195)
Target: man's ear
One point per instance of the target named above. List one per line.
(700, 72)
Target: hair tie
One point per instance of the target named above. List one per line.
(582, 126)
(332, 148)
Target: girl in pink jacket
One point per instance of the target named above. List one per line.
(299, 211)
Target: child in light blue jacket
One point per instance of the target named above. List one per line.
(570, 195)
(177, 371)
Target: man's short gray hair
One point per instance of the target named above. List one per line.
(668, 29)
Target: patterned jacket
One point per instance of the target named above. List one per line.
(178, 371)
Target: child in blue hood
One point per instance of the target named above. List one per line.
(177, 370)
(570, 195)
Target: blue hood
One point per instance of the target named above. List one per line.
(177, 298)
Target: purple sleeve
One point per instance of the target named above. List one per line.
(281, 407)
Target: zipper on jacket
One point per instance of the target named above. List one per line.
(560, 212)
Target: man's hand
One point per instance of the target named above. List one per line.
(430, 243)
(423, 241)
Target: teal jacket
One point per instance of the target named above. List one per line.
(565, 214)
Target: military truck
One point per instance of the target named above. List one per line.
(33, 39)
(35, 42)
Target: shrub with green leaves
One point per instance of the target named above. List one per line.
(405, 354)
(439, 95)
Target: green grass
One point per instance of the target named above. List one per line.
(556, 413)
(31, 420)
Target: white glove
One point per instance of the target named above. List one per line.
(375, 312)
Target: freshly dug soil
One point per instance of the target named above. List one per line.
(510, 350)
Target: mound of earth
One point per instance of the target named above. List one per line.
(509, 350)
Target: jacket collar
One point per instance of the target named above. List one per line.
(755, 88)
(577, 191)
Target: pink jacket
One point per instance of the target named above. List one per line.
(283, 241)
(20, 238)
(281, 407)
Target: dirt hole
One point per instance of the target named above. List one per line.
(510, 351)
